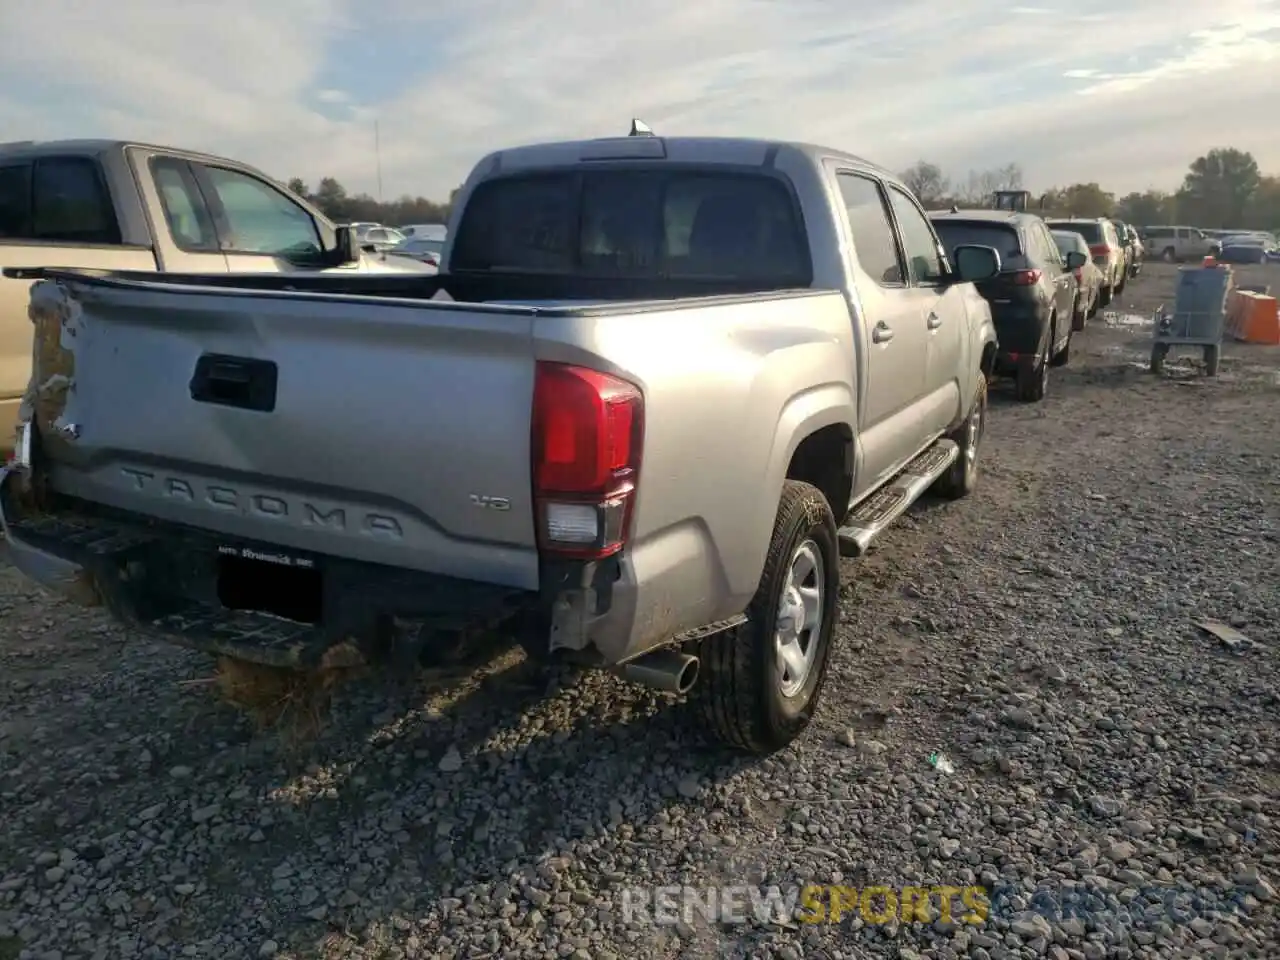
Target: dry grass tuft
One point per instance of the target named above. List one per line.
(291, 702)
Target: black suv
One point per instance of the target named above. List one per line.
(1031, 298)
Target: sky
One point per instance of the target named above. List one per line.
(1122, 93)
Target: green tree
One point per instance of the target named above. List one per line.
(1153, 207)
(299, 187)
(926, 181)
(1218, 188)
(1080, 200)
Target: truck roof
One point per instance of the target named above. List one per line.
(92, 148)
(747, 151)
(997, 216)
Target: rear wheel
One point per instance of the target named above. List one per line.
(1033, 375)
(1168, 255)
(1063, 356)
(1104, 297)
(962, 477)
(760, 683)
(1080, 311)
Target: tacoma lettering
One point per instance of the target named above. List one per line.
(262, 505)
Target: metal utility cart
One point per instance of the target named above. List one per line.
(1198, 318)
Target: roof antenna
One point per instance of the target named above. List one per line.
(640, 129)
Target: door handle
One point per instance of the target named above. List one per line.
(934, 321)
(882, 333)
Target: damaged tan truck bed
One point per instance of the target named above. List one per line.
(650, 401)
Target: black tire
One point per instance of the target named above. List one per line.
(1033, 378)
(960, 480)
(1212, 356)
(1168, 255)
(1158, 353)
(1104, 297)
(741, 685)
(1124, 280)
(1079, 313)
(1063, 356)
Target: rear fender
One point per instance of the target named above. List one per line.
(804, 414)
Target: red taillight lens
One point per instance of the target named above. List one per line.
(1100, 250)
(1079, 272)
(588, 431)
(1025, 278)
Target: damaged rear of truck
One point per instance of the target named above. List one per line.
(624, 424)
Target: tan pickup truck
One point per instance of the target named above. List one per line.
(116, 205)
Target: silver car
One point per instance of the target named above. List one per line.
(1089, 278)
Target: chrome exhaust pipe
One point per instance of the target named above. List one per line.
(667, 670)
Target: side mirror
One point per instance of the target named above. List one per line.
(1076, 260)
(345, 246)
(974, 262)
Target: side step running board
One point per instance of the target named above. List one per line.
(870, 517)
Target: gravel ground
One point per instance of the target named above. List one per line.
(1114, 772)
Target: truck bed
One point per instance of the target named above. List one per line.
(379, 431)
(517, 288)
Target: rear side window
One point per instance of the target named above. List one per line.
(1069, 241)
(15, 201)
(955, 233)
(70, 203)
(185, 211)
(873, 237)
(1091, 231)
(56, 199)
(679, 224)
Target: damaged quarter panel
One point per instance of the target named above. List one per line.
(724, 414)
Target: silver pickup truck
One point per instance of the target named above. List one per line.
(658, 389)
(116, 205)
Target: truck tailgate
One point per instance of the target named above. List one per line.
(388, 431)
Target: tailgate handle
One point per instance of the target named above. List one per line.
(241, 382)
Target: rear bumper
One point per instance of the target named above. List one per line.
(1020, 331)
(161, 579)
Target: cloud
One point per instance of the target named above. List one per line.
(1123, 94)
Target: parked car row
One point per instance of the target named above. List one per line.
(1181, 243)
(423, 242)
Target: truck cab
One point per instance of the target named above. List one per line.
(118, 205)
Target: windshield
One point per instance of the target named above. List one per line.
(702, 223)
(1089, 229)
(955, 233)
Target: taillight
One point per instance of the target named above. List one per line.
(1025, 278)
(1079, 272)
(587, 433)
(1100, 250)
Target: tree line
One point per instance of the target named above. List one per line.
(1223, 189)
(334, 202)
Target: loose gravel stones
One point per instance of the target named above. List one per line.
(1111, 774)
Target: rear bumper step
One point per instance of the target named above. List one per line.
(162, 579)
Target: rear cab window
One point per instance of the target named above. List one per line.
(183, 206)
(57, 200)
(683, 223)
(1068, 241)
(955, 233)
(1090, 230)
